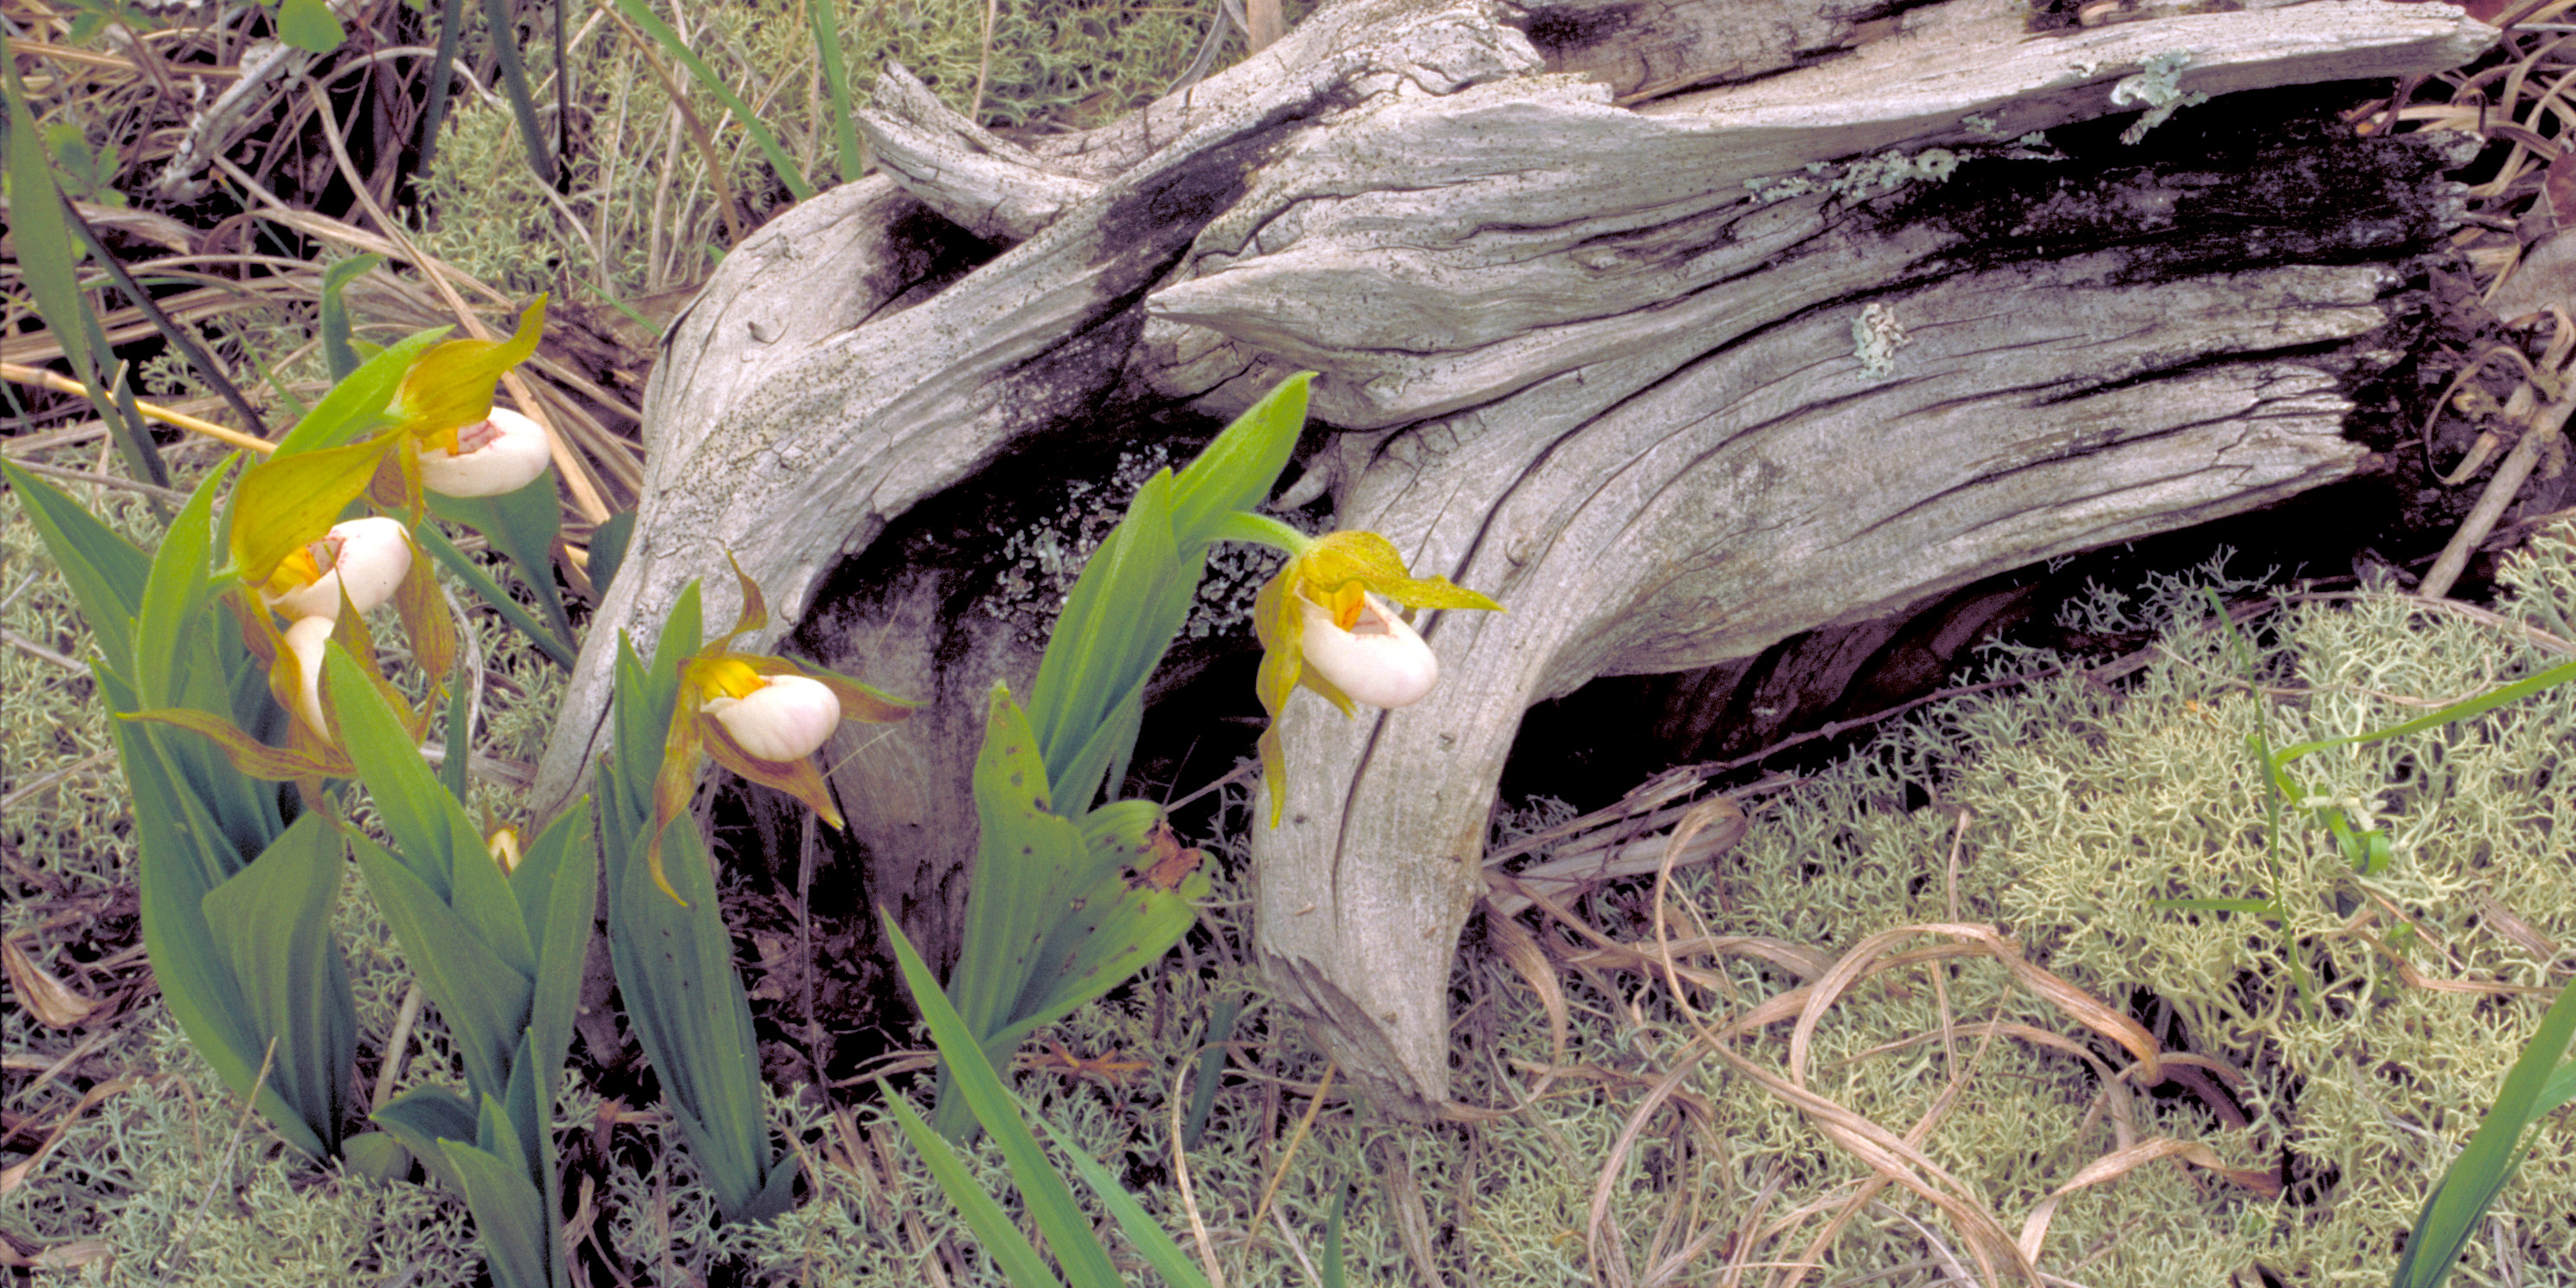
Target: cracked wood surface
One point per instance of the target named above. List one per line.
(1577, 365)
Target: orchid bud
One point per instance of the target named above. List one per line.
(1379, 661)
(501, 453)
(788, 717)
(504, 848)
(305, 639)
(363, 558)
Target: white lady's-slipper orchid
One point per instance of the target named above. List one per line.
(761, 717)
(362, 559)
(1327, 622)
(501, 453)
(1380, 661)
(775, 717)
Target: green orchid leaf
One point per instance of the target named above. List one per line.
(432, 834)
(288, 501)
(181, 857)
(1108, 640)
(608, 552)
(1031, 857)
(484, 1002)
(1116, 929)
(559, 884)
(1238, 470)
(272, 923)
(355, 406)
(107, 573)
(522, 525)
(1146, 1235)
(509, 1214)
(675, 966)
(424, 1116)
(995, 1232)
(174, 597)
(376, 1155)
(561, 651)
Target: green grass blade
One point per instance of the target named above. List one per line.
(1150, 1239)
(836, 77)
(1332, 1267)
(182, 338)
(2461, 710)
(1211, 1070)
(337, 352)
(442, 77)
(2459, 1202)
(1000, 1239)
(642, 16)
(1049, 1200)
(514, 78)
(39, 225)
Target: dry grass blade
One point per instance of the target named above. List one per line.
(1270, 1188)
(1404, 1202)
(1199, 1239)
(151, 411)
(1519, 949)
(16, 1174)
(2121, 1162)
(1882, 1151)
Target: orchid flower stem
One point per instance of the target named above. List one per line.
(1260, 530)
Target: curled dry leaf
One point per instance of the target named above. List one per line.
(54, 1003)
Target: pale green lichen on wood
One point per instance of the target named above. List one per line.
(1876, 336)
(2157, 86)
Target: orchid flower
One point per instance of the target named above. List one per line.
(760, 716)
(501, 453)
(360, 563)
(1329, 621)
(444, 432)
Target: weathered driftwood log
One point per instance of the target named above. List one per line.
(1655, 320)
